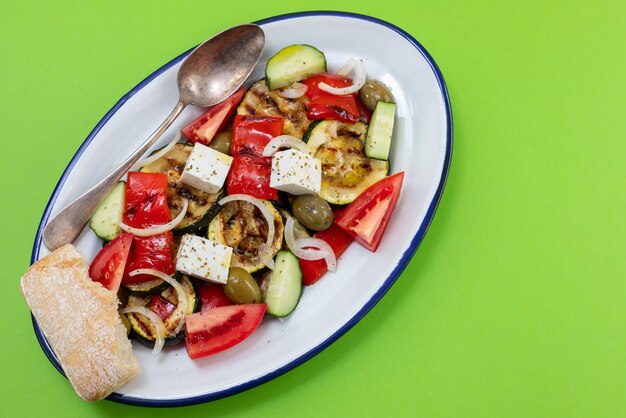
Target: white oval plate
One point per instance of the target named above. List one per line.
(422, 146)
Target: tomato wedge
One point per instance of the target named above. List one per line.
(107, 267)
(204, 128)
(366, 218)
(218, 329)
(146, 205)
(339, 241)
(324, 105)
(212, 296)
(250, 171)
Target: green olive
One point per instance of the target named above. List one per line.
(221, 142)
(241, 287)
(313, 212)
(374, 91)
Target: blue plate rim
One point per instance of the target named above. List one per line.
(406, 256)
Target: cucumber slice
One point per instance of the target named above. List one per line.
(378, 139)
(105, 221)
(294, 63)
(284, 285)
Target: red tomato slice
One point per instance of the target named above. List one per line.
(313, 270)
(366, 218)
(107, 267)
(251, 133)
(218, 329)
(324, 105)
(161, 306)
(212, 296)
(154, 252)
(204, 128)
(146, 200)
(248, 176)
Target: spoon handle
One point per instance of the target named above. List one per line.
(68, 223)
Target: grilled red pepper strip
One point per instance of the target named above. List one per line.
(146, 206)
(250, 171)
(324, 105)
(212, 296)
(313, 270)
(161, 306)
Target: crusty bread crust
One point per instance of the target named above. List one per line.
(80, 321)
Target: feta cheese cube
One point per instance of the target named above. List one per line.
(206, 169)
(296, 172)
(204, 259)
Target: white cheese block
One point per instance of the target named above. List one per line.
(206, 169)
(296, 172)
(204, 259)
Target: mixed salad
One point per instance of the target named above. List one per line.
(255, 199)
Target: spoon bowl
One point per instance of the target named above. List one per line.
(210, 73)
(228, 57)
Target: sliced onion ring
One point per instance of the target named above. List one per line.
(324, 249)
(182, 296)
(158, 229)
(300, 247)
(156, 321)
(266, 250)
(357, 81)
(347, 67)
(295, 91)
(152, 158)
(281, 142)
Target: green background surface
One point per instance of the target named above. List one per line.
(515, 303)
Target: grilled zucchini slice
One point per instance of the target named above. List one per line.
(260, 100)
(202, 206)
(150, 287)
(143, 330)
(346, 170)
(241, 225)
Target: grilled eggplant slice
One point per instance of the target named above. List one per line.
(202, 206)
(346, 170)
(242, 226)
(143, 329)
(260, 100)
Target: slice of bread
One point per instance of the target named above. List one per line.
(79, 319)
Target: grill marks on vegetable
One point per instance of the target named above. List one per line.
(241, 226)
(259, 100)
(144, 329)
(346, 170)
(202, 206)
(343, 158)
(245, 229)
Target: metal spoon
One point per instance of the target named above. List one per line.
(211, 73)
